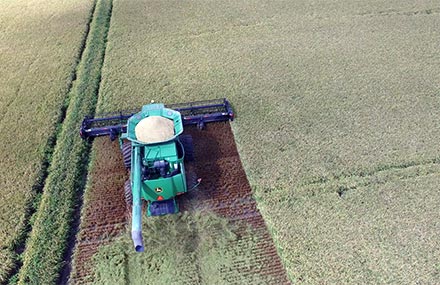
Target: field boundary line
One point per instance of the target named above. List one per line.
(47, 247)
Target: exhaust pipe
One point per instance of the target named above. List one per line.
(136, 222)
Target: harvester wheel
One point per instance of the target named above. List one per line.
(188, 147)
(126, 153)
(128, 194)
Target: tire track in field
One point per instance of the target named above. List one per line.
(372, 172)
(396, 12)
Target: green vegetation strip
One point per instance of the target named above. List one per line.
(45, 248)
(189, 248)
(40, 44)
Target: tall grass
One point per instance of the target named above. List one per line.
(39, 50)
(48, 240)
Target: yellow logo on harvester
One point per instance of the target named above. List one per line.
(158, 189)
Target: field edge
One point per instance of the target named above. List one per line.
(62, 189)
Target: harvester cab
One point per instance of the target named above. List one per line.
(155, 152)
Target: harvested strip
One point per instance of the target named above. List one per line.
(104, 211)
(242, 250)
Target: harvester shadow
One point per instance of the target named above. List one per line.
(207, 148)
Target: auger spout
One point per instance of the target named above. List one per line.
(136, 222)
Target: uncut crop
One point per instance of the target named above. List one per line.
(334, 89)
(39, 47)
(381, 229)
(323, 91)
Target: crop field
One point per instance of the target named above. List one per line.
(40, 42)
(339, 89)
(323, 91)
(380, 229)
(329, 174)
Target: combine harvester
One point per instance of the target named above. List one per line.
(154, 150)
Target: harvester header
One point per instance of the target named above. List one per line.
(193, 113)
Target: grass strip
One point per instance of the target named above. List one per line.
(48, 240)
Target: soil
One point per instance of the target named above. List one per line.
(104, 211)
(224, 190)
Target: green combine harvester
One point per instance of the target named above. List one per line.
(155, 152)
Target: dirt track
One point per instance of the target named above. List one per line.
(224, 190)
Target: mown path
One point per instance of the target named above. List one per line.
(224, 191)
